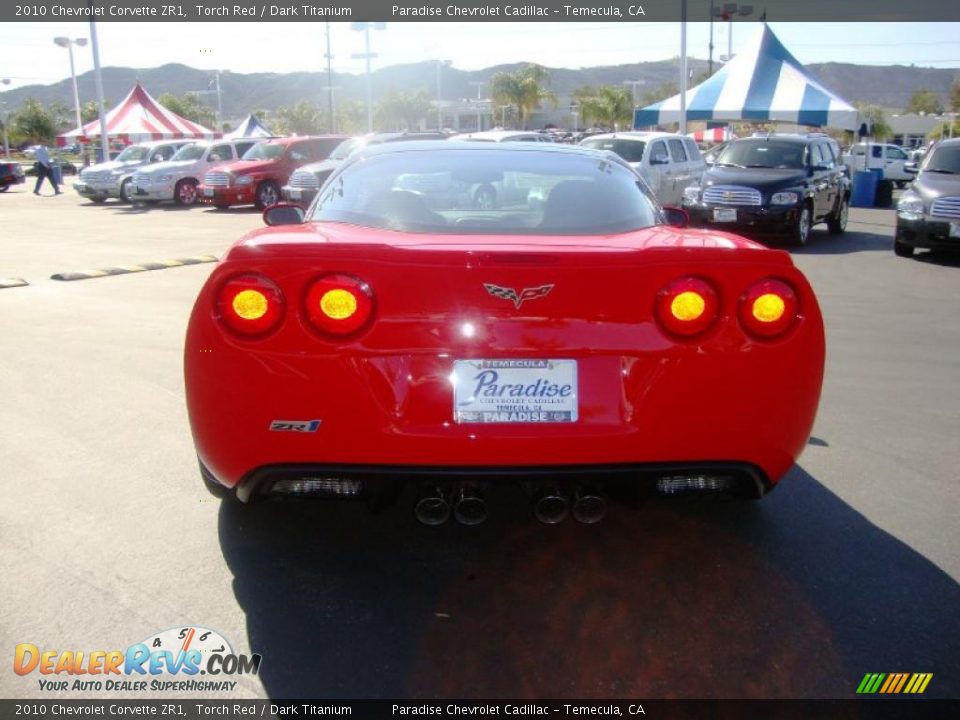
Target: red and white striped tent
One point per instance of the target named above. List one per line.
(713, 135)
(139, 118)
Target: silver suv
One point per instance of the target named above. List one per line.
(114, 178)
(177, 178)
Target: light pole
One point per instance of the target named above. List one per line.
(98, 76)
(479, 84)
(440, 64)
(5, 118)
(575, 111)
(68, 44)
(633, 87)
(683, 67)
(367, 55)
(727, 13)
(329, 57)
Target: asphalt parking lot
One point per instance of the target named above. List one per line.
(107, 536)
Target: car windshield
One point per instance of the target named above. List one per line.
(629, 150)
(345, 148)
(488, 191)
(194, 151)
(944, 160)
(132, 153)
(265, 151)
(763, 154)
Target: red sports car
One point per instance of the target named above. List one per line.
(570, 341)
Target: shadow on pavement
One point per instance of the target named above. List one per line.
(939, 257)
(795, 596)
(823, 243)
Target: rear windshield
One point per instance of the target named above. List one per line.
(629, 150)
(763, 154)
(945, 160)
(264, 151)
(499, 192)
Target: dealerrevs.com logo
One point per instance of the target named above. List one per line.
(172, 660)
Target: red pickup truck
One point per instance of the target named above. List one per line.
(257, 178)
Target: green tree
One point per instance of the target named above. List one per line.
(90, 110)
(607, 105)
(351, 116)
(398, 110)
(33, 123)
(878, 118)
(955, 95)
(190, 108)
(925, 101)
(944, 130)
(301, 119)
(524, 89)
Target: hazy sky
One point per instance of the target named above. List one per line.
(31, 57)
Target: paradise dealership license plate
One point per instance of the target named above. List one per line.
(724, 215)
(208, 192)
(515, 391)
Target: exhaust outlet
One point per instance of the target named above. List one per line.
(470, 507)
(432, 508)
(589, 506)
(550, 506)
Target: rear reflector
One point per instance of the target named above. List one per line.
(250, 304)
(327, 487)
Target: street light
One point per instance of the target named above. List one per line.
(633, 85)
(67, 43)
(727, 13)
(367, 55)
(440, 64)
(6, 142)
(479, 84)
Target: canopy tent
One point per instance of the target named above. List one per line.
(251, 127)
(713, 135)
(763, 83)
(139, 118)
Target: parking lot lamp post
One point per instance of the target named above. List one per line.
(440, 65)
(479, 84)
(98, 76)
(367, 56)
(4, 117)
(68, 44)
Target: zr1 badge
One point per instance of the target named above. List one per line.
(294, 425)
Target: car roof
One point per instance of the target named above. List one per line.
(949, 142)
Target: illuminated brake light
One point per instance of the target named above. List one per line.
(687, 306)
(339, 304)
(250, 304)
(768, 308)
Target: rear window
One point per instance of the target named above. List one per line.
(495, 192)
(629, 150)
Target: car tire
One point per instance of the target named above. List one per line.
(902, 249)
(185, 192)
(485, 198)
(837, 222)
(125, 191)
(98, 200)
(800, 233)
(268, 195)
(4, 187)
(901, 184)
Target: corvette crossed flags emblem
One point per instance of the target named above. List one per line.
(518, 298)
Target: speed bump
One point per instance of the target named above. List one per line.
(12, 282)
(142, 267)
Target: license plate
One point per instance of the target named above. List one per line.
(295, 194)
(955, 229)
(515, 391)
(208, 192)
(724, 215)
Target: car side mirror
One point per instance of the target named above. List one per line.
(912, 168)
(675, 217)
(659, 159)
(283, 214)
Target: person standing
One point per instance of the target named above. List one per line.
(44, 170)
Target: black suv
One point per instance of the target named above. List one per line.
(773, 186)
(305, 182)
(10, 174)
(928, 214)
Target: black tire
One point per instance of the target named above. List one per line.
(4, 187)
(125, 191)
(837, 222)
(902, 249)
(901, 184)
(485, 198)
(800, 233)
(268, 195)
(185, 192)
(98, 200)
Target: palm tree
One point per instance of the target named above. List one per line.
(524, 89)
(608, 105)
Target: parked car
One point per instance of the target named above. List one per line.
(371, 344)
(505, 136)
(710, 156)
(928, 214)
(177, 178)
(773, 186)
(892, 159)
(305, 182)
(10, 174)
(115, 178)
(668, 162)
(256, 179)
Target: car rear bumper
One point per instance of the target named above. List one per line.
(222, 196)
(767, 221)
(927, 233)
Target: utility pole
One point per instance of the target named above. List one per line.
(329, 56)
(479, 84)
(219, 105)
(633, 86)
(440, 64)
(683, 67)
(367, 55)
(98, 77)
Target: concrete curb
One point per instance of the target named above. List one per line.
(124, 269)
(12, 282)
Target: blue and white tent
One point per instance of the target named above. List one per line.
(763, 83)
(251, 127)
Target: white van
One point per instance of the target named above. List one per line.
(890, 158)
(668, 162)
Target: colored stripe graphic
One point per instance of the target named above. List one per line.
(894, 683)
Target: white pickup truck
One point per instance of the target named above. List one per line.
(889, 158)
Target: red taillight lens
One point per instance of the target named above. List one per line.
(339, 304)
(687, 306)
(250, 304)
(768, 308)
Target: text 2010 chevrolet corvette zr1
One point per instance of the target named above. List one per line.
(567, 339)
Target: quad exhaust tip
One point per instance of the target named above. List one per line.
(551, 507)
(432, 508)
(589, 506)
(470, 508)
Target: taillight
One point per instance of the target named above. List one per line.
(339, 304)
(687, 306)
(250, 304)
(768, 307)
